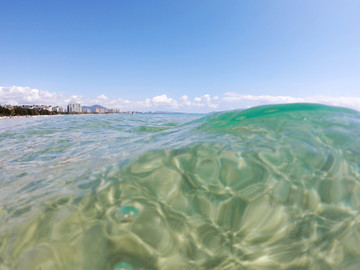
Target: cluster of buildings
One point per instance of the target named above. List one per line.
(76, 108)
(71, 108)
(38, 107)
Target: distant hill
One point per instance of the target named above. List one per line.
(94, 107)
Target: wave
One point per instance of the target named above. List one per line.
(272, 187)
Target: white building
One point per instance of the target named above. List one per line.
(7, 106)
(28, 106)
(74, 107)
(40, 107)
(86, 110)
(57, 109)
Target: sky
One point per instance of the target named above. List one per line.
(186, 56)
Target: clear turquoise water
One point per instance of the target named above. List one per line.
(274, 187)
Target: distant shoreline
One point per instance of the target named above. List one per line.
(3, 117)
(26, 116)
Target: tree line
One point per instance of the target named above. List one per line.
(17, 111)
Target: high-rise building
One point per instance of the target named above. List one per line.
(74, 107)
(86, 110)
(58, 109)
(100, 110)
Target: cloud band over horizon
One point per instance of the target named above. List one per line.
(20, 95)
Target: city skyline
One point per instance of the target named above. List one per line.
(191, 56)
(203, 104)
(70, 108)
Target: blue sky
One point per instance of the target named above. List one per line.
(180, 55)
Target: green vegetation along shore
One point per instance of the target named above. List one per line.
(19, 111)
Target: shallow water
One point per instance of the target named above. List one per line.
(273, 187)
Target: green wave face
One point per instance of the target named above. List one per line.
(315, 113)
(272, 187)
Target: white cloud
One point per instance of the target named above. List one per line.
(18, 95)
(164, 101)
(103, 97)
(350, 102)
(207, 101)
(266, 99)
(203, 101)
(245, 101)
(73, 99)
(185, 101)
(160, 102)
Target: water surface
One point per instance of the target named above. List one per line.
(273, 187)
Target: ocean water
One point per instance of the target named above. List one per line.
(273, 187)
